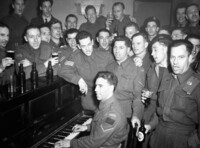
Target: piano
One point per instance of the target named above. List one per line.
(37, 117)
(65, 131)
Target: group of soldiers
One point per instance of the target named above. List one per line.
(118, 66)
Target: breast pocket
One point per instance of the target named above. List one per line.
(181, 101)
(126, 82)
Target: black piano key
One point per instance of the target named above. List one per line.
(48, 145)
(64, 134)
(52, 140)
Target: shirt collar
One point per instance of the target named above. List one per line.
(48, 18)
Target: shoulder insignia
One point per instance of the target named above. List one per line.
(108, 123)
(191, 84)
(69, 63)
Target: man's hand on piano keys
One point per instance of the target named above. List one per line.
(79, 128)
(62, 143)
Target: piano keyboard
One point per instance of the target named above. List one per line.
(74, 134)
(64, 132)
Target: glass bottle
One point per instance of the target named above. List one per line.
(22, 79)
(34, 76)
(49, 73)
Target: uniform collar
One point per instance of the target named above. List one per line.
(125, 63)
(183, 77)
(106, 103)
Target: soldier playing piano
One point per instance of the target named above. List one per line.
(109, 126)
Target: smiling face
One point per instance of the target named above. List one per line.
(180, 15)
(192, 14)
(91, 16)
(33, 37)
(104, 40)
(71, 22)
(4, 36)
(71, 40)
(180, 59)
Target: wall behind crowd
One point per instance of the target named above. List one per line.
(138, 8)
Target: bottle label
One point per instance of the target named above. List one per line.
(140, 136)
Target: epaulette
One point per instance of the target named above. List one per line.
(191, 84)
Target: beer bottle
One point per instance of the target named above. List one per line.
(141, 132)
(34, 76)
(22, 80)
(49, 73)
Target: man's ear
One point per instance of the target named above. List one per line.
(40, 8)
(146, 44)
(97, 39)
(191, 58)
(78, 46)
(25, 38)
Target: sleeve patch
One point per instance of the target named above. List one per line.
(108, 124)
(69, 63)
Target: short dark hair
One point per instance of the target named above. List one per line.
(152, 19)
(42, 1)
(70, 31)
(103, 30)
(55, 22)
(13, 1)
(118, 3)
(123, 38)
(71, 15)
(88, 7)
(166, 28)
(193, 36)
(83, 35)
(183, 30)
(44, 25)
(141, 34)
(133, 24)
(192, 4)
(162, 38)
(31, 27)
(3, 25)
(179, 6)
(176, 43)
(109, 76)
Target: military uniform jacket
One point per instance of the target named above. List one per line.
(38, 21)
(17, 25)
(131, 80)
(179, 100)
(81, 66)
(33, 55)
(109, 127)
(152, 83)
